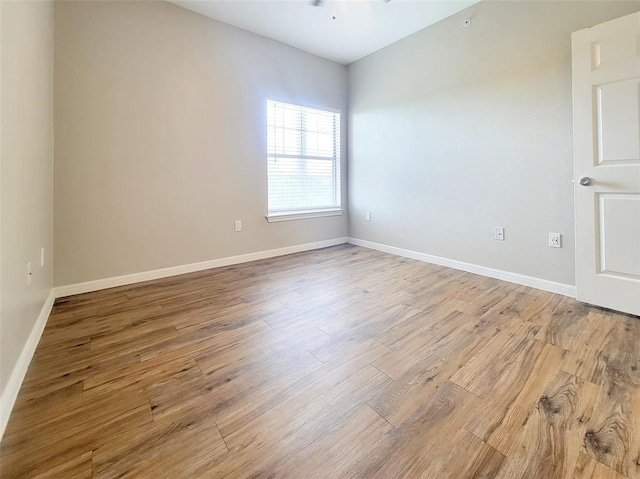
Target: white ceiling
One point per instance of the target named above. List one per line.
(360, 27)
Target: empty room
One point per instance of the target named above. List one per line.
(320, 239)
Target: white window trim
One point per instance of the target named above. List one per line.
(277, 216)
(302, 215)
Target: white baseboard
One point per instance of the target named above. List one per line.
(12, 388)
(71, 289)
(543, 284)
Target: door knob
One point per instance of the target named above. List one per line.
(585, 181)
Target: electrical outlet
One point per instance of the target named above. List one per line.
(367, 216)
(555, 240)
(499, 233)
(29, 273)
(42, 258)
(237, 226)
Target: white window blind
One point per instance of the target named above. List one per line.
(303, 155)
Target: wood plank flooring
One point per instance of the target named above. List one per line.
(337, 363)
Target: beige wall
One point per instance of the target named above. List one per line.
(160, 138)
(26, 197)
(454, 131)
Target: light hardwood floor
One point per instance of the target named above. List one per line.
(338, 363)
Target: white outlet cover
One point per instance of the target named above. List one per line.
(555, 240)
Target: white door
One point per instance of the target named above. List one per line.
(606, 130)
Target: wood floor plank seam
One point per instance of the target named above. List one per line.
(378, 413)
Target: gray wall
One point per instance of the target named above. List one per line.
(160, 138)
(26, 217)
(454, 131)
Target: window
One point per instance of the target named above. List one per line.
(303, 155)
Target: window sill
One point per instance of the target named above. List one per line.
(302, 215)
